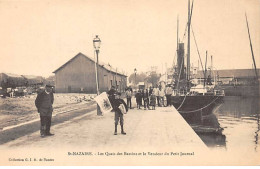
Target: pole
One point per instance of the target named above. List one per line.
(135, 80)
(252, 52)
(205, 76)
(188, 48)
(97, 51)
(95, 55)
(99, 113)
(211, 66)
(177, 33)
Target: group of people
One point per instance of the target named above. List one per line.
(147, 98)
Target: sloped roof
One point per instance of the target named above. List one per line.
(231, 73)
(102, 64)
(32, 77)
(13, 75)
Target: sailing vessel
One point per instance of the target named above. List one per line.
(189, 99)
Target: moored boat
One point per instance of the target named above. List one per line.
(189, 99)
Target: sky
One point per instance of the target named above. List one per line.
(37, 37)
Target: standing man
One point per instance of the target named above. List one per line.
(146, 99)
(44, 103)
(156, 93)
(168, 94)
(161, 96)
(128, 98)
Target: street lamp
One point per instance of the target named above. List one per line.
(135, 70)
(96, 44)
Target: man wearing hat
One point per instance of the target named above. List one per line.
(43, 102)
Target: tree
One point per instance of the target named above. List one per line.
(153, 78)
(139, 78)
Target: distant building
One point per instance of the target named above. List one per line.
(9, 80)
(141, 85)
(79, 75)
(31, 80)
(231, 76)
(50, 80)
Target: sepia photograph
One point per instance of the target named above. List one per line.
(129, 82)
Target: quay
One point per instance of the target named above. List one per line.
(156, 133)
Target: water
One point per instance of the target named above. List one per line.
(237, 124)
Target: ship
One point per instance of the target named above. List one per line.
(193, 100)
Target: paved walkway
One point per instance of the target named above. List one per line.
(160, 127)
(156, 131)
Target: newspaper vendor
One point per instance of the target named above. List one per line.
(119, 116)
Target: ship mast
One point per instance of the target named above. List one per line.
(211, 66)
(205, 75)
(177, 33)
(188, 48)
(252, 52)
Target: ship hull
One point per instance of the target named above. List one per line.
(196, 107)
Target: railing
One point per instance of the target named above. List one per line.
(213, 92)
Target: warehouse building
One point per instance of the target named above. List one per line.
(78, 75)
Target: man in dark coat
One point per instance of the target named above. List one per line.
(43, 102)
(114, 98)
(138, 97)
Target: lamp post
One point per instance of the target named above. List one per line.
(135, 70)
(96, 44)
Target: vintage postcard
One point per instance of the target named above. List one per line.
(129, 82)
